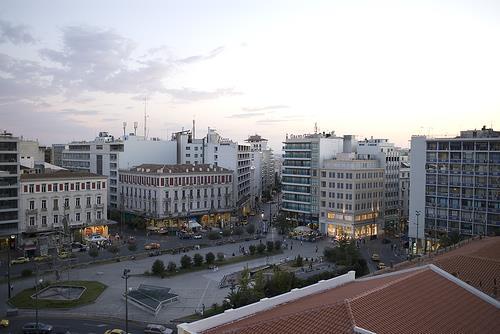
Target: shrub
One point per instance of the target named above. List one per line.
(158, 267)
(132, 247)
(277, 245)
(171, 266)
(198, 260)
(226, 232)
(252, 249)
(113, 249)
(213, 235)
(250, 229)
(146, 273)
(261, 248)
(270, 246)
(238, 230)
(220, 257)
(93, 252)
(210, 258)
(26, 273)
(186, 262)
(299, 261)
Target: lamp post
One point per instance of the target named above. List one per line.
(125, 276)
(262, 222)
(11, 243)
(38, 281)
(417, 213)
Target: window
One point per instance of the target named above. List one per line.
(44, 188)
(77, 216)
(99, 214)
(56, 204)
(66, 203)
(44, 220)
(77, 202)
(54, 187)
(88, 201)
(88, 216)
(32, 221)
(56, 219)
(77, 186)
(66, 186)
(32, 188)
(44, 204)
(98, 200)
(32, 205)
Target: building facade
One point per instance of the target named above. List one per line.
(302, 159)
(455, 186)
(351, 196)
(61, 206)
(172, 195)
(259, 144)
(9, 185)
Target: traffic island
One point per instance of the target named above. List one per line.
(59, 295)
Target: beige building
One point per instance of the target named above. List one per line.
(59, 207)
(351, 196)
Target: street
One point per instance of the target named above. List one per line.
(385, 251)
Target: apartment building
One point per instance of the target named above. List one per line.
(455, 185)
(388, 156)
(59, 207)
(260, 147)
(351, 196)
(9, 185)
(404, 187)
(106, 155)
(172, 195)
(302, 159)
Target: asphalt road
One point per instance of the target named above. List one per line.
(73, 326)
(386, 253)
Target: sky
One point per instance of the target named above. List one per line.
(387, 69)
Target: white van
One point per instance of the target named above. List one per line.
(157, 329)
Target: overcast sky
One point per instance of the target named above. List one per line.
(69, 69)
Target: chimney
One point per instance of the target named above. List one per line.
(193, 130)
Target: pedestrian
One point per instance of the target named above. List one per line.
(301, 242)
(291, 247)
(316, 248)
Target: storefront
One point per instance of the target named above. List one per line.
(358, 231)
(182, 223)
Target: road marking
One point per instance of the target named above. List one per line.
(203, 295)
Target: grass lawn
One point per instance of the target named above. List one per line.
(93, 290)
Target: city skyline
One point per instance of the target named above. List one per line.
(68, 71)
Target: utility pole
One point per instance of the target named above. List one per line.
(11, 243)
(417, 213)
(125, 276)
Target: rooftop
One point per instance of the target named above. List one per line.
(62, 174)
(255, 138)
(176, 169)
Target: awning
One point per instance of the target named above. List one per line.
(303, 229)
(193, 224)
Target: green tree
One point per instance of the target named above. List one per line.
(113, 249)
(210, 258)
(132, 247)
(198, 260)
(250, 228)
(226, 232)
(158, 267)
(299, 261)
(270, 246)
(261, 248)
(252, 249)
(238, 230)
(171, 266)
(213, 235)
(282, 224)
(259, 288)
(277, 245)
(186, 262)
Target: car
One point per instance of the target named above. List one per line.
(386, 241)
(78, 247)
(65, 255)
(4, 323)
(197, 236)
(154, 253)
(152, 245)
(32, 328)
(96, 238)
(219, 243)
(375, 257)
(42, 258)
(20, 260)
(183, 235)
(157, 329)
(381, 265)
(115, 331)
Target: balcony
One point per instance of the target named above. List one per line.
(31, 211)
(88, 206)
(98, 206)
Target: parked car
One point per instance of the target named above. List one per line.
(79, 247)
(4, 323)
(154, 253)
(381, 265)
(157, 329)
(197, 236)
(375, 257)
(152, 245)
(20, 260)
(184, 235)
(32, 328)
(115, 331)
(96, 238)
(65, 255)
(42, 258)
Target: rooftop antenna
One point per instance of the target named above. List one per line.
(193, 128)
(135, 128)
(124, 128)
(316, 128)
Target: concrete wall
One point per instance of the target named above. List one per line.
(417, 187)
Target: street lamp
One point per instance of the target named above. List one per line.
(38, 281)
(417, 213)
(11, 243)
(125, 276)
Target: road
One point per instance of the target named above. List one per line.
(386, 252)
(67, 324)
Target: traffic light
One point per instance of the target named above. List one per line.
(12, 242)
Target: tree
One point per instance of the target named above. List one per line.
(220, 257)
(132, 247)
(186, 262)
(210, 258)
(277, 245)
(226, 232)
(250, 228)
(259, 286)
(113, 249)
(299, 261)
(238, 230)
(261, 248)
(270, 246)
(213, 235)
(171, 266)
(198, 260)
(252, 249)
(158, 267)
(93, 252)
(282, 224)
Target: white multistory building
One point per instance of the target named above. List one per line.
(259, 147)
(404, 189)
(455, 186)
(388, 156)
(302, 159)
(9, 185)
(351, 196)
(173, 195)
(61, 206)
(106, 155)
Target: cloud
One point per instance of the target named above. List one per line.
(272, 121)
(16, 34)
(193, 59)
(271, 107)
(110, 119)
(76, 112)
(191, 95)
(247, 115)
